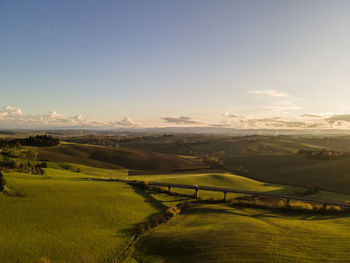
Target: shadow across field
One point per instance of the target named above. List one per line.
(149, 198)
(240, 210)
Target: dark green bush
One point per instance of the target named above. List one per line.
(2, 182)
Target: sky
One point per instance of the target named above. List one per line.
(241, 64)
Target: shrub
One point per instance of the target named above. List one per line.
(141, 229)
(313, 188)
(2, 182)
(213, 162)
(44, 260)
(334, 209)
(241, 171)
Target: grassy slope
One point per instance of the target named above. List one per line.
(219, 233)
(112, 158)
(235, 182)
(67, 219)
(296, 170)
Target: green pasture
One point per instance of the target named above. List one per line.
(220, 233)
(66, 219)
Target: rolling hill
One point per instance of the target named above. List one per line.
(116, 158)
(65, 219)
(220, 233)
(332, 175)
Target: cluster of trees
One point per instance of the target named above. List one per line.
(109, 141)
(213, 161)
(38, 141)
(322, 154)
(241, 171)
(162, 218)
(12, 164)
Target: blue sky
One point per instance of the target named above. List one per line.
(163, 63)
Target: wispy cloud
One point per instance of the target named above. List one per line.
(281, 102)
(284, 106)
(310, 115)
(231, 115)
(185, 120)
(302, 121)
(271, 93)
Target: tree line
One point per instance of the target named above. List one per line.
(37, 141)
(23, 167)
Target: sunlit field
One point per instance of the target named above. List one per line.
(66, 219)
(221, 233)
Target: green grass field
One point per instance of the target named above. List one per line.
(66, 219)
(228, 180)
(220, 233)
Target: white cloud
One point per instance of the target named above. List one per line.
(124, 122)
(231, 115)
(10, 112)
(182, 120)
(12, 117)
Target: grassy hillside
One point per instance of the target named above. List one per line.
(296, 170)
(236, 182)
(219, 233)
(66, 219)
(114, 158)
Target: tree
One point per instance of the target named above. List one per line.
(2, 182)
(313, 188)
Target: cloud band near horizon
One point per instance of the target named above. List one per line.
(12, 117)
